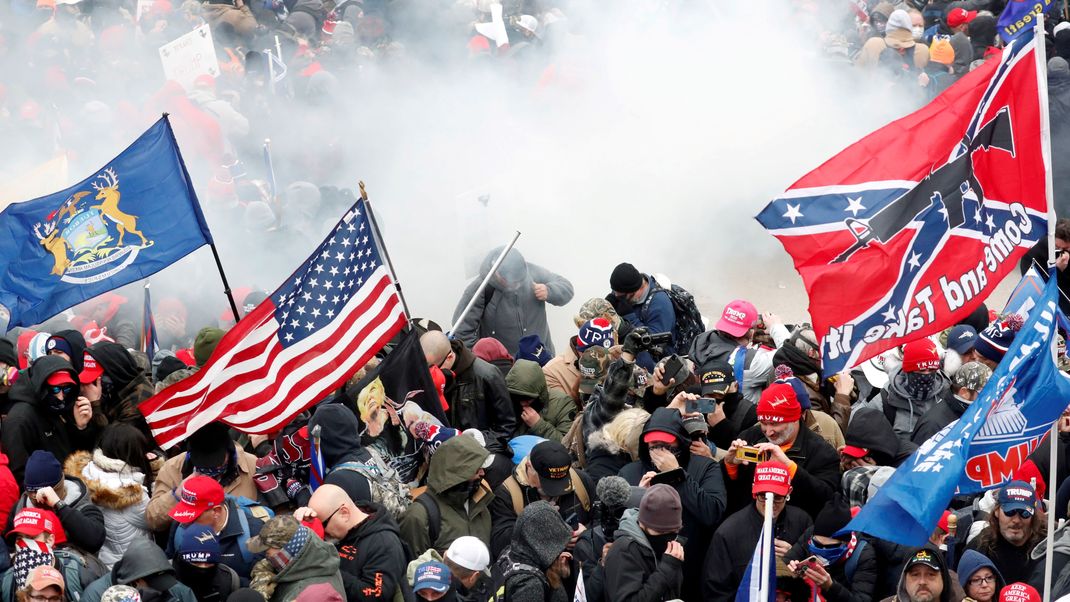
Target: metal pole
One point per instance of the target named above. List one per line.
(226, 285)
(386, 254)
(483, 285)
(767, 545)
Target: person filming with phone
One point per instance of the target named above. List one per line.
(780, 436)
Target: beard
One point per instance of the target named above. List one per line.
(785, 435)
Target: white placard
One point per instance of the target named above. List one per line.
(189, 57)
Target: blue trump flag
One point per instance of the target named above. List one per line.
(982, 449)
(132, 218)
(1025, 297)
(1019, 16)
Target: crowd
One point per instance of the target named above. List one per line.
(631, 463)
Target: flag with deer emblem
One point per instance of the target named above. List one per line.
(135, 216)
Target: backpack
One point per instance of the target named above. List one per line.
(688, 318)
(247, 508)
(386, 487)
(578, 488)
(852, 562)
(502, 571)
(434, 517)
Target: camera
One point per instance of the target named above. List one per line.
(657, 339)
(606, 517)
(751, 454)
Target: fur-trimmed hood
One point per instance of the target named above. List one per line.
(111, 483)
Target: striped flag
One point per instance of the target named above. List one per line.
(759, 580)
(296, 347)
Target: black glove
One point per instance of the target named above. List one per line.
(633, 343)
(620, 304)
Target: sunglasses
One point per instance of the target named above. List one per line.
(1021, 512)
(64, 389)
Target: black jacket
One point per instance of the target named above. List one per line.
(339, 443)
(129, 386)
(870, 430)
(702, 491)
(373, 560)
(946, 411)
(739, 414)
(230, 538)
(479, 399)
(633, 571)
(816, 479)
(31, 425)
(863, 582)
(503, 516)
(82, 521)
(732, 547)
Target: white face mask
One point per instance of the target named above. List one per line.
(918, 33)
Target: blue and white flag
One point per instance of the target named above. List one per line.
(759, 581)
(1019, 16)
(135, 216)
(1026, 296)
(981, 450)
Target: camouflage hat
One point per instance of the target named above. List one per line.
(594, 363)
(121, 593)
(594, 308)
(972, 376)
(275, 533)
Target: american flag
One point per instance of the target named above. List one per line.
(296, 347)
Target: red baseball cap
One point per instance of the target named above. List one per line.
(198, 494)
(921, 354)
(1019, 592)
(771, 477)
(60, 377)
(960, 16)
(854, 452)
(737, 318)
(32, 522)
(91, 370)
(659, 436)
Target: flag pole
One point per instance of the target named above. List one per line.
(386, 254)
(483, 285)
(1045, 148)
(767, 545)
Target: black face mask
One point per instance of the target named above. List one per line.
(200, 580)
(660, 542)
(149, 594)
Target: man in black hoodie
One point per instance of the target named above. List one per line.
(340, 443)
(665, 457)
(966, 385)
(68, 344)
(113, 382)
(925, 579)
(47, 414)
(373, 560)
(872, 442)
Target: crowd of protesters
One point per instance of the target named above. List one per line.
(593, 465)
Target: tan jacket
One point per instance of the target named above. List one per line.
(170, 477)
(562, 374)
(825, 427)
(871, 51)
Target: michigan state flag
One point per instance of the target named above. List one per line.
(130, 219)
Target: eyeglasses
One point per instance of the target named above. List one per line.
(442, 362)
(65, 389)
(46, 598)
(1022, 512)
(983, 580)
(327, 520)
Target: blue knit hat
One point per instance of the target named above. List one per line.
(42, 470)
(199, 544)
(994, 341)
(785, 375)
(531, 348)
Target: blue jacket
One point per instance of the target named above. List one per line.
(656, 313)
(240, 527)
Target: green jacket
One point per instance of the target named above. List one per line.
(452, 465)
(316, 563)
(526, 379)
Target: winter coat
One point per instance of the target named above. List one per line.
(757, 361)
(1015, 562)
(316, 563)
(510, 315)
(654, 312)
(732, 547)
(702, 490)
(31, 425)
(538, 541)
(871, 51)
(372, 560)
(948, 593)
(503, 513)
(82, 521)
(863, 582)
(633, 571)
(563, 373)
(171, 475)
(478, 398)
(973, 561)
(822, 394)
(231, 539)
(526, 379)
(9, 490)
(870, 430)
(945, 411)
(816, 478)
(142, 559)
(824, 426)
(447, 484)
(904, 412)
(339, 443)
(119, 491)
(608, 398)
(131, 386)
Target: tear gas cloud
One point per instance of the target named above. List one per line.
(658, 132)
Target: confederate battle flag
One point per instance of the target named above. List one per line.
(908, 230)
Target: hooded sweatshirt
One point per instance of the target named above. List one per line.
(142, 559)
(129, 386)
(462, 505)
(372, 561)
(77, 343)
(538, 539)
(1060, 566)
(947, 595)
(633, 570)
(32, 425)
(905, 412)
(870, 430)
(555, 407)
(340, 442)
(316, 563)
(973, 561)
(510, 314)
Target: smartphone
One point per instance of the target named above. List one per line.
(800, 569)
(703, 405)
(751, 454)
(680, 539)
(671, 367)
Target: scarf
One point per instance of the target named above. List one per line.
(919, 386)
(29, 554)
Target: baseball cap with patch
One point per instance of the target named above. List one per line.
(924, 556)
(972, 376)
(593, 364)
(199, 493)
(551, 461)
(737, 318)
(275, 533)
(961, 338)
(771, 477)
(717, 377)
(434, 576)
(32, 522)
(1018, 495)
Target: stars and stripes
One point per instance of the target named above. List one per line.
(296, 347)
